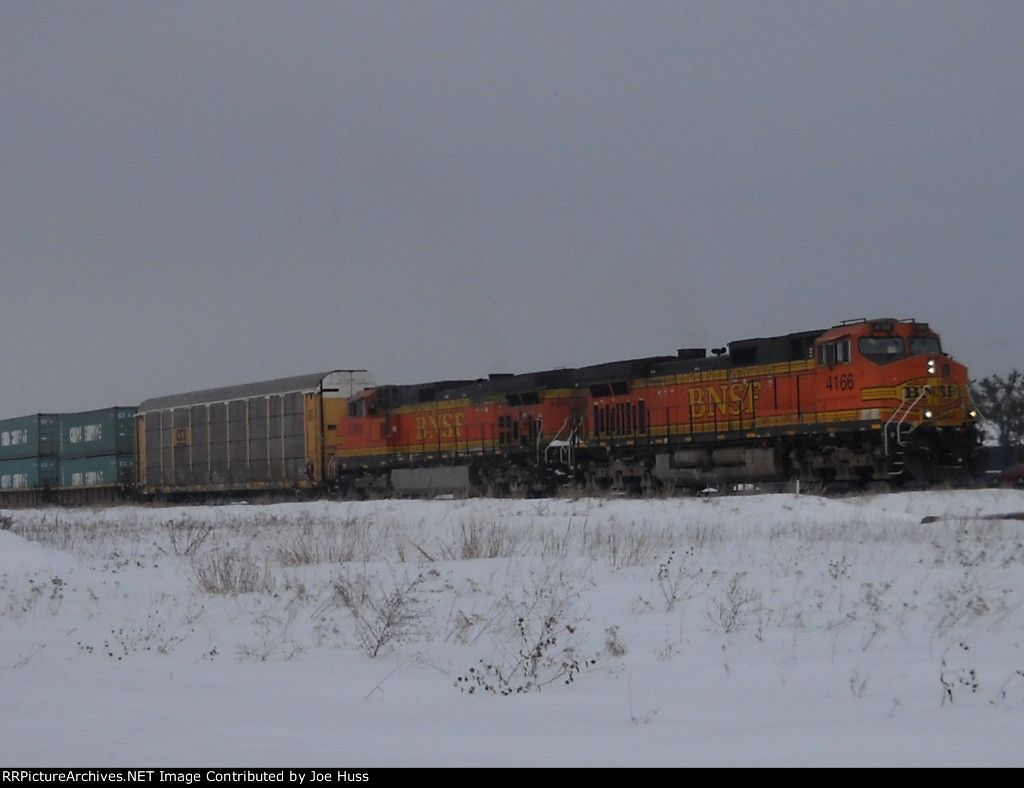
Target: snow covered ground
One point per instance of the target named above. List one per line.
(756, 630)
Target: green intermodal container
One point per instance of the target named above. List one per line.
(95, 433)
(29, 436)
(105, 471)
(28, 473)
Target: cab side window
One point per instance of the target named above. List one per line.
(831, 353)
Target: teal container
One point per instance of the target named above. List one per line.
(28, 473)
(29, 436)
(106, 471)
(95, 433)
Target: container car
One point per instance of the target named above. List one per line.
(67, 458)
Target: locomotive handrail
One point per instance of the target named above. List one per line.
(565, 446)
(903, 411)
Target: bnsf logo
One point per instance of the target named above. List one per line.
(944, 392)
(728, 399)
(447, 425)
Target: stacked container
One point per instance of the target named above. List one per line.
(97, 448)
(28, 452)
(67, 457)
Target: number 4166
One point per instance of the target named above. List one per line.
(839, 382)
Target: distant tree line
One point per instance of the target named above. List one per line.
(1001, 402)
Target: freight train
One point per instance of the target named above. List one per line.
(863, 401)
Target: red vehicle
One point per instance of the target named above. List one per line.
(1013, 476)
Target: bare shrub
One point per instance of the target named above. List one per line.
(319, 542)
(873, 597)
(386, 612)
(957, 672)
(963, 601)
(232, 572)
(539, 647)
(19, 600)
(613, 647)
(274, 639)
(474, 539)
(701, 535)
(679, 581)
(558, 544)
(732, 611)
(632, 545)
(188, 534)
(972, 548)
(91, 533)
(1013, 687)
(152, 635)
(839, 569)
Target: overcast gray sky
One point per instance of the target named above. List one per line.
(207, 193)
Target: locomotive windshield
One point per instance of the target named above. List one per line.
(924, 345)
(883, 350)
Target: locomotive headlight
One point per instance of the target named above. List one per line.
(931, 366)
(929, 414)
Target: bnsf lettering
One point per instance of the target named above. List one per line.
(444, 426)
(944, 392)
(725, 399)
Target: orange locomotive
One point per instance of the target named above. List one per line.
(865, 400)
(506, 434)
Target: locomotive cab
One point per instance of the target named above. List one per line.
(893, 377)
(881, 341)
